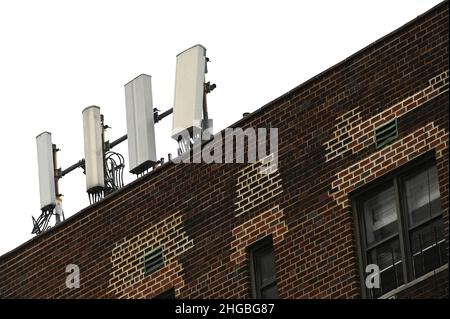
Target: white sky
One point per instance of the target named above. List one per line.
(57, 57)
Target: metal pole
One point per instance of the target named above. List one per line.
(71, 168)
(118, 141)
(57, 177)
(159, 117)
(55, 165)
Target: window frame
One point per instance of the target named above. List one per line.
(410, 228)
(395, 178)
(253, 249)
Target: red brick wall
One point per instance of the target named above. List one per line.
(435, 287)
(200, 213)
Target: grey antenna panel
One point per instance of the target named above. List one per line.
(140, 124)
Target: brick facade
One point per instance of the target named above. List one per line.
(204, 216)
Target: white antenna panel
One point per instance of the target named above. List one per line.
(93, 149)
(46, 170)
(189, 90)
(140, 123)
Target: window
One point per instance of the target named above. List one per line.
(262, 266)
(401, 227)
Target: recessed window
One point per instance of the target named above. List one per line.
(401, 227)
(262, 266)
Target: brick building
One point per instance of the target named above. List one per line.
(362, 179)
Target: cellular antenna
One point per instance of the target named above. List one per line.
(48, 183)
(190, 115)
(93, 152)
(104, 168)
(140, 124)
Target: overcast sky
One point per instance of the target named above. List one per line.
(57, 57)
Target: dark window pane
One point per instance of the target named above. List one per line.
(266, 264)
(264, 271)
(389, 259)
(428, 247)
(422, 195)
(269, 292)
(380, 215)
